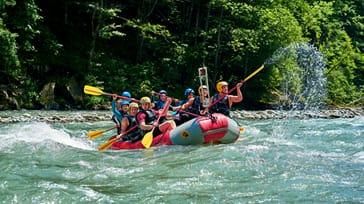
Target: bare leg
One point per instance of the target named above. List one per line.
(168, 125)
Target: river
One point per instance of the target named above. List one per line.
(274, 161)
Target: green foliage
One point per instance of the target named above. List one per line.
(8, 53)
(110, 31)
(141, 46)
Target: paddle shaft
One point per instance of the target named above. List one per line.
(165, 109)
(126, 132)
(148, 137)
(189, 113)
(116, 126)
(109, 143)
(123, 97)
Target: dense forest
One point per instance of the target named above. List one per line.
(50, 49)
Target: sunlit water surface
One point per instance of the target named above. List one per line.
(284, 161)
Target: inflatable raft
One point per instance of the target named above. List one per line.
(214, 129)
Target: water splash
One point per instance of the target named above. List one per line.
(39, 133)
(301, 71)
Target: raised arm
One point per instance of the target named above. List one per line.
(238, 98)
(113, 106)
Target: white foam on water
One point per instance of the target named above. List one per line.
(256, 147)
(359, 157)
(39, 132)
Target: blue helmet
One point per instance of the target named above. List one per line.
(124, 102)
(126, 94)
(163, 92)
(188, 91)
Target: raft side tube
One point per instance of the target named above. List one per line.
(189, 133)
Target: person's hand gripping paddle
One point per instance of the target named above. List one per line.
(148, 137)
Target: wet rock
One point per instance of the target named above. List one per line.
(93, 116)
(46, 97)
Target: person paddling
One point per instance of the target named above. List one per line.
(225, 100)
(158, 105)
(189, 108)
(119, 109)
(147, 119)
(129, 122)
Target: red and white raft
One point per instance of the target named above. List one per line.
(214, 129)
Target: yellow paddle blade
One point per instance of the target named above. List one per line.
(95, 134)
(148, 139)
(92, 90)
(241, 128)
(107, 144)
(254, 73)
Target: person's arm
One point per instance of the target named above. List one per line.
(113, 107)
(188, 104)
(141, 121)
(124, 124)
(152, 94)
(182, 106)
(175, 108)
(159, 112)
(238, 98)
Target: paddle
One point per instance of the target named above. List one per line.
(232, 89)
(148, 137)
(109, 143)
(97, 133)
(188, 113)
(97, 92)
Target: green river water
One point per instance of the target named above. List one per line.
(274, 161)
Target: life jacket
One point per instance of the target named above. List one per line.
(159, 105)
(135, 134)
(183, 102)
(221, 106)
(180, 104)
(195, 107)
(149, 119)
(117, 121)
(199, 102)
(150, 116)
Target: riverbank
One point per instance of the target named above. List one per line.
(278, 114)
(94, 116)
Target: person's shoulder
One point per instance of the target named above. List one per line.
(140, 112)
(140, 115)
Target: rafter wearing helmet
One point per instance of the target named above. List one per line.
(128, 123)
(224, 105)
(119, 109)
(147, 119)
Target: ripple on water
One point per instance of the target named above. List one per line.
(274, 161)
